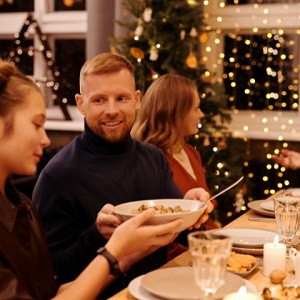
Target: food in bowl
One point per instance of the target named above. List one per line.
(160, 209)
(191, 211)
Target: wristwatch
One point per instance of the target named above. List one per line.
(113, 263)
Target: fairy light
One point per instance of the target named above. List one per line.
(53, 81)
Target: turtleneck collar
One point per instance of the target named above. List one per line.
(98, 145)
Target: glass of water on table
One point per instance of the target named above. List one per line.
(287, 215)
(210, 252)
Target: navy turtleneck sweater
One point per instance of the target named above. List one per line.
(84, 176)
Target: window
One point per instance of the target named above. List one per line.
(266, 97)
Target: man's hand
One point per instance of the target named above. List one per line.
(107, 221)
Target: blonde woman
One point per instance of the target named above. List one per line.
(170, 113)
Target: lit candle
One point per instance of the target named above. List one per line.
(242, 294)
(274, 256)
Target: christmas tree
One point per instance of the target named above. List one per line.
(165, 36)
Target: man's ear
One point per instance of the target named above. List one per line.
(79, 103)
(137, 96)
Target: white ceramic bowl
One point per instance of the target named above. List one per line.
(193, 209)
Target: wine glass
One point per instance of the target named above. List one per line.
(287, 215)
(210, 252)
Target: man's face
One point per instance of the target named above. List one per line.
(109, 103)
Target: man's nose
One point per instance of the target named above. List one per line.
(111, 107)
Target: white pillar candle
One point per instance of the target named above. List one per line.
(274, 256)
(242, 294)
(297, 268)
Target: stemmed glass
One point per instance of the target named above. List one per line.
(287, 215)
(210, 253)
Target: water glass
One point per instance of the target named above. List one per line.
(210, 252)
(287, 215)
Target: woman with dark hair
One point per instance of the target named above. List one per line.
(25, 265)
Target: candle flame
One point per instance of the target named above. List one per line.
(276, 240)
(242, 292)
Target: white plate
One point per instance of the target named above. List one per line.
(248, 237)
(293, 191)
(178, 284)
(251, 251)
(255, 206)
(137, 291)
(267, 205)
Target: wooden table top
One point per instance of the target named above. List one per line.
(256, 277)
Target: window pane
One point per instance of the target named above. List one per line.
(69, 58)
(16, 6)
(262, 71)
(23, 54)
(69, 5)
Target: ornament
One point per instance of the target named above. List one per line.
(203, 37)
(139, 30)
(222, 145)
(68, 3)
(206, 141)
(154, 74)
(239, 201)
(191, 61)
(182, 34)
(193, 32)
(137, 53)
(147, 15)
(113, 50)
(153, 53)
(192, 2)
(207, 77)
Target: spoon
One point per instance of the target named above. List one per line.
(228, 188)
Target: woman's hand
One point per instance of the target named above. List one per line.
(288, 159)
(135, 238)
(201, 195)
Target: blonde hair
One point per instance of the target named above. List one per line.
(104, 63)
(161, 118)
(14, 87)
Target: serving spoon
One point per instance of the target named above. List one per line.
(225, 190)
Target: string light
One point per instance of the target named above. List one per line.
(279, 64)
(54, 81)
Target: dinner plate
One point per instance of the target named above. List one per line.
(251, 251)
(178, 284)
(248, 237)
(255, 206)
(137, 291)
(268, 205)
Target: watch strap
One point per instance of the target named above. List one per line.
(113, 263)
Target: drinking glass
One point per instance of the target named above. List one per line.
(210, 252)
(287, 215)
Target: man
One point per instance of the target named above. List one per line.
(99, 169)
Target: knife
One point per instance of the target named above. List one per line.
(261, 219)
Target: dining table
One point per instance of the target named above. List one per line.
(256, 277)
